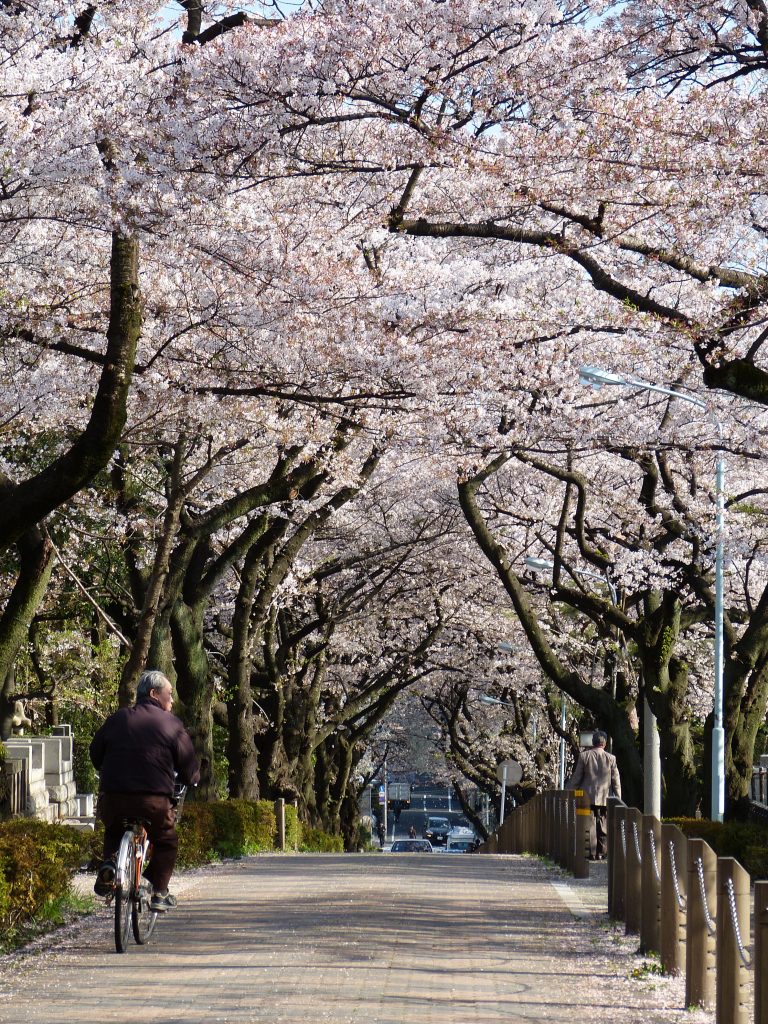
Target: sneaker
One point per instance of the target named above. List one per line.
(105, 879)
(162, 901)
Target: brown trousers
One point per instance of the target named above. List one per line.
(600, 812)
(156, 810)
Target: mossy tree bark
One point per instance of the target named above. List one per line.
(34, 571)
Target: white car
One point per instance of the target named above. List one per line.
(461, 840)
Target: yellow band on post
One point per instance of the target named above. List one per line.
(583, 810)
(578, 792)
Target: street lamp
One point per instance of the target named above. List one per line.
(651, 755)
(597, 377)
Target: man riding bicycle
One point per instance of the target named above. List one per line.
(140, 752)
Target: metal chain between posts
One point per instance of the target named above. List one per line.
(675, 883)
(745, 952)
(636, 839)
(623, 833)
(654, 861)
(709, 921)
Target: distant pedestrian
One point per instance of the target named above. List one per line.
(597, 774)
(381, 832)
(412, 832)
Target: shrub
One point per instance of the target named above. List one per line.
(36, 861)
(225, 828)
(314, 840)
(292, 828)
(746, 841)
(196, 836)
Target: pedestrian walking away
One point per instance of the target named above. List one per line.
(140, 753)
(597, 773)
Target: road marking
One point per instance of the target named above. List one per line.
(572, 901)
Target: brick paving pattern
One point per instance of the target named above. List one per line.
(379, 939)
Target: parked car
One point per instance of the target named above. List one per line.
(436, 831)
(411, 846)
(461, 840)
(461, 846)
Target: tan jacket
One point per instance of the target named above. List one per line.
(596, 773)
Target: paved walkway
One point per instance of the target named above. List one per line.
(378, 939)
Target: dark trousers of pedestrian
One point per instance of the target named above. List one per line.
(114, 809)
(600, 813)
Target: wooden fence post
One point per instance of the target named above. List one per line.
(613, 803)
(732, 933)
(674, 886)
(760, 953)
(556, 838)
(620, 867)
(700, 987)
(570, 848)
(633, 878)
(651, 883)
(583, 820)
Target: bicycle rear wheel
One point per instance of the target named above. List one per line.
(142, 917)
(123, 901)
(123, 906)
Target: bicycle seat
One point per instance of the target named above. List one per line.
(135, 823)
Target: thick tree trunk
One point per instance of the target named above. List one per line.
(35, 565)
(744, 706)
(195, 687)
(137, 659)
(666, 686)
(241, 745)
(25, 504)
(741, 734)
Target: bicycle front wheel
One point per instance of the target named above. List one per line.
(143, 918)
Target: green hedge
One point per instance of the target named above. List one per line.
(292, 828)
(314, 840)
(234, 828)
(36, 863)
(225, 828)
(747, 841)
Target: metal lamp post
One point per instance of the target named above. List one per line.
(596, 377)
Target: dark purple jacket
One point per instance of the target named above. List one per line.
(138, 749)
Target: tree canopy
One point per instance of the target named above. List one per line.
(293, 312)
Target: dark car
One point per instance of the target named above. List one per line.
(411, 846)
(436, 831)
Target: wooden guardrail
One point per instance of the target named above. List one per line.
(686, 903)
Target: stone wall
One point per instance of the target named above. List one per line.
(48, 789)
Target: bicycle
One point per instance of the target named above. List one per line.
(133, 894)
